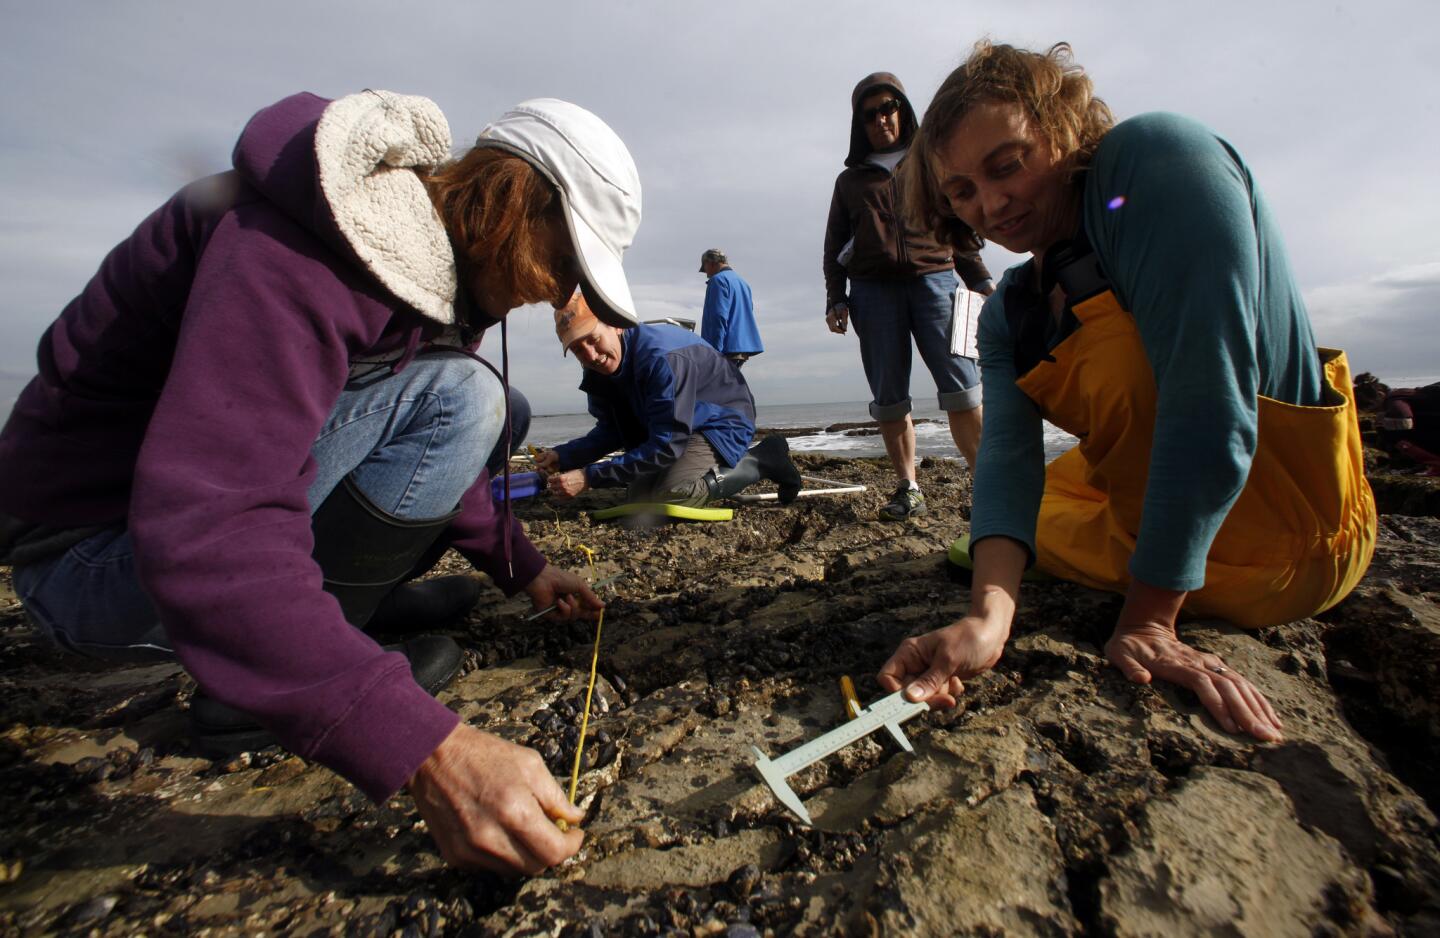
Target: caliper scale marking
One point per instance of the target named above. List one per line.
(888, 712)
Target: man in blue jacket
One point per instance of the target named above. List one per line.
(681, 415)
(728, 322)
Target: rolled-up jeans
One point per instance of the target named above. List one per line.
(886, 315)
(413, 442)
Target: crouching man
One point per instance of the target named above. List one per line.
(680, 412)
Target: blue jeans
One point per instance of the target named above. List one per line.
(886, 313)
(412, 442)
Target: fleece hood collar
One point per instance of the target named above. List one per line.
(346, 170)
(877, 81)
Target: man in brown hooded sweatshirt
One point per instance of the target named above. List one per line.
(901, 284)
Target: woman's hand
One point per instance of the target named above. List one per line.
(571, 596)
(933, 667)
(490, 804)
(568, 484)
(837, 318)
(547, 461)
(1145, 646)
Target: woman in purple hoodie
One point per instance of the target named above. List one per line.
(265, 410)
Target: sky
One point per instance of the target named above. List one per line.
(737, 116)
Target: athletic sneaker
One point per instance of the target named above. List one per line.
(905, 503)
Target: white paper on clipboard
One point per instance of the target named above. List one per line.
(964, 323)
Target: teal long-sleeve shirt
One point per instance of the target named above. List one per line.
(1191, 250)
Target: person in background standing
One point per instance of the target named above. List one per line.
(902, 284)
(728, 322)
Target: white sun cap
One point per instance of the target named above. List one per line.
(598, 184)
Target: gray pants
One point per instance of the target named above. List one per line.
(683, 481)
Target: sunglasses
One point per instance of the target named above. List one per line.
(883, 109)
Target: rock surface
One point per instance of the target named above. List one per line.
(1058, 800)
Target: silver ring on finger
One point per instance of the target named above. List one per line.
(1219, 669)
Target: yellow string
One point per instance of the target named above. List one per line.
(559, 530)
(589, 691)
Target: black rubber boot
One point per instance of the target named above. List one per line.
(425, 604)
(768, 459)
(363, 553)
(221, 731)
(410, 607)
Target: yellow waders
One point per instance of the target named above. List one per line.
(1295, 542)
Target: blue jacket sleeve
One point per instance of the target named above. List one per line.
(667, 398)
(715, 320)
(1182, 253)
(603, 438)
(1010, 470)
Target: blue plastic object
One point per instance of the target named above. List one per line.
(522, 485)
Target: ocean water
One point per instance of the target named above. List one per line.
(931, 439)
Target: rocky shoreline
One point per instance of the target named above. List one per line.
(1059, 800)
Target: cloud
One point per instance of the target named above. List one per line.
(738, 123)
(1421, 277)
(1388, 324)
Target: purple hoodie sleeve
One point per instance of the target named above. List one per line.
(479, 534)
(220, 518)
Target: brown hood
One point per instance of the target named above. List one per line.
(859, 143)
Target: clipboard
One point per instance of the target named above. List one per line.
(965, 322)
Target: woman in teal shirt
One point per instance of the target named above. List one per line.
(1218, 468)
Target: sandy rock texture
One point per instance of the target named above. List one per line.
(1058, 800)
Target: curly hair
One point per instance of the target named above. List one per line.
(1055, 93)
(500, 214)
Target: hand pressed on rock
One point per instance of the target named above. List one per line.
(1151, 650)
(932, 667)
(491, 805)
